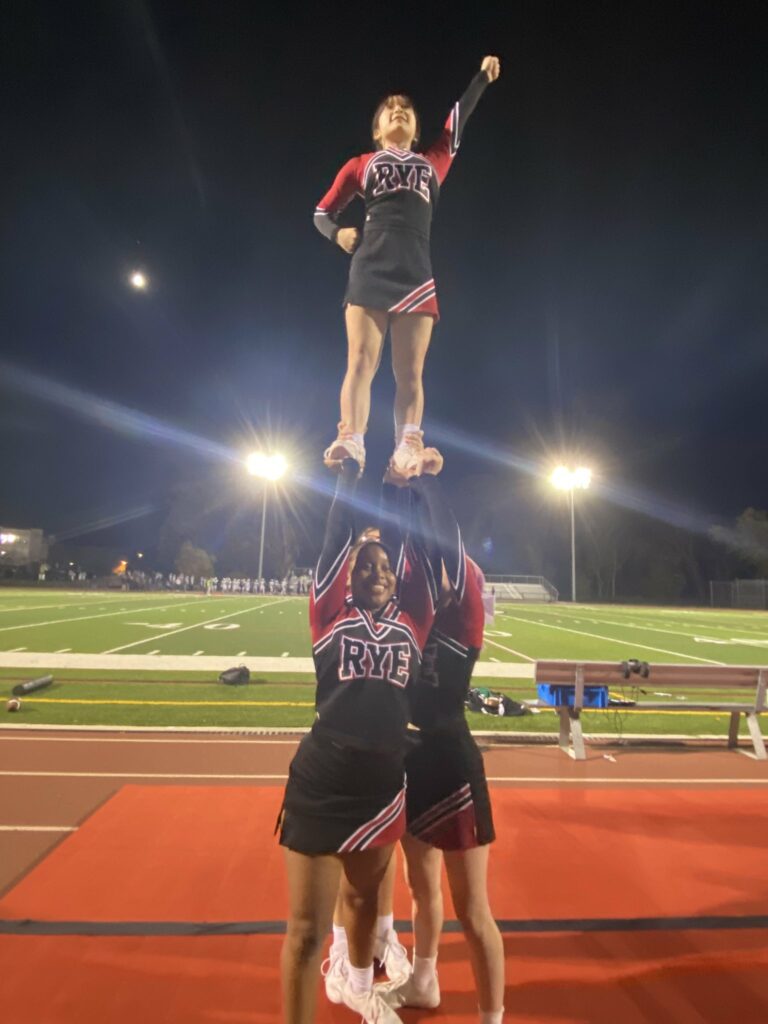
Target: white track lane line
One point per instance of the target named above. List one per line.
(104, 615)
(196, 625)
(555, 779)
(613, 640)
(38, 828)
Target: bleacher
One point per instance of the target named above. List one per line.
(535, 589)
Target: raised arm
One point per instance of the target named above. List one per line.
(394, 516)
(441, 154)
(329, 587)
(440, 531)
(341, 193)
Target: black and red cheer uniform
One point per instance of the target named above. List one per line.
(346, 784)
(448, 804)
(391, 268)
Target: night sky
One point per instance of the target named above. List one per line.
(600, 247)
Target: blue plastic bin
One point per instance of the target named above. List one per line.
(559, 696)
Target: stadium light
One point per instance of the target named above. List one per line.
(139, 281)
(570, 480)
(269, 468)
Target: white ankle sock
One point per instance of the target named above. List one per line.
(424, 970)
(492, 1016)
(339, 936)
(360, 979)
(406, 428)
(384, 925)
(358, 439)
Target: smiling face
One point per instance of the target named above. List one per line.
(395, 123)
(372, 581)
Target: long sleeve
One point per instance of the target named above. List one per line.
(343, 190)
(394, 514)
(329, 586)
(443, 529)
(441, 154)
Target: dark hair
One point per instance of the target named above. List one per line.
(407, 102)
(356, 549)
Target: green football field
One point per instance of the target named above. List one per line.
(147, 659)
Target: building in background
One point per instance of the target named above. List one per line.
(20, 548)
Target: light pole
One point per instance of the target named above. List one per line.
(269, 468)
(569, 480)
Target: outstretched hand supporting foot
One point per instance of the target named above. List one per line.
(430, 463)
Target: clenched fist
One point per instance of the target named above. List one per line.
(492, 68)
(348, 239)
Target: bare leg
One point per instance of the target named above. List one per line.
(386, 898)
(366, 329)
(423, 864)
(467, 872)
(411, 334)
(312, 885)
(363, 874)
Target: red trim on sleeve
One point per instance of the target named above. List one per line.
(347, 184)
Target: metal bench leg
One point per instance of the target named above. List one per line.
(757, 737)
(733, 729)
(565, 730)
(578, 752)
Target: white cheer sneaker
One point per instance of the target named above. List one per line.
(393, 957)
(334, 972)
(370, 1006)
(406, 994)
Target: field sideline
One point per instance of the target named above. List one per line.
(162, 653)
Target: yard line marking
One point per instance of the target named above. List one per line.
(219, 704)
(153, 652)
(495, 643)
(37, 607)
(240, 654)
(202, 738)
(623, 643)
(82, 618)
(658, 629)
(38, 828)
(63, 650)
(16, 650)
(196, 653)
(196, 625)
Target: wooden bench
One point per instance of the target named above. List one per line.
(641, 675)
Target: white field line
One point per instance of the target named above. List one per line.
(555, 779)
(672, 632)
(155, 662)
(151, 739)
(196, 625)
(613, 640)
(104, 615)
(35, 607)
(210, 663)
(495, 643)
